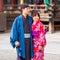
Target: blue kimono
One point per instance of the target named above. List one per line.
(17, 34)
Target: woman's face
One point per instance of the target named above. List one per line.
(36, 18)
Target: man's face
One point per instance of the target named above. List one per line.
(26, 10)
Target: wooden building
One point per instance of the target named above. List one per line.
(17, 2)
(9, 9)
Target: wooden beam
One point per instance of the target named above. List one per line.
(51, 26)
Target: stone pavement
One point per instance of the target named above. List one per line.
(53, 42)
(52, 49)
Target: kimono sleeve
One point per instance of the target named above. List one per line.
(14, 33)
(42, 36)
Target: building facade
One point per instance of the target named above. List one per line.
(9, 17)
(15, 2)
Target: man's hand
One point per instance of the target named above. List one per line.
(17, 43)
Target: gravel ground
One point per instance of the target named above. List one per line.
(8, 53)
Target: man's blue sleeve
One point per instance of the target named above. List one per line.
(14, 33)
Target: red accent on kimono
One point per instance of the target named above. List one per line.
(38, 32)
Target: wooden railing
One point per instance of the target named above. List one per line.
(18, 7)
(44, 17)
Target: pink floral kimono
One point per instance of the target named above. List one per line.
(38, 32)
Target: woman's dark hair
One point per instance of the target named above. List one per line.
(34, 13)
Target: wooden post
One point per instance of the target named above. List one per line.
(3, 21)
(51, 26)
(1, 5)
(50, 1)
(13, 2)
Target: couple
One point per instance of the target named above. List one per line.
(28, 35)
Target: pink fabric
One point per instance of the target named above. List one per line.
(38, 31)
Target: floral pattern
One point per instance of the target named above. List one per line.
(38, 32)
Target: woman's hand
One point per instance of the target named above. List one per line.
(17, 43)
(40, 47)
